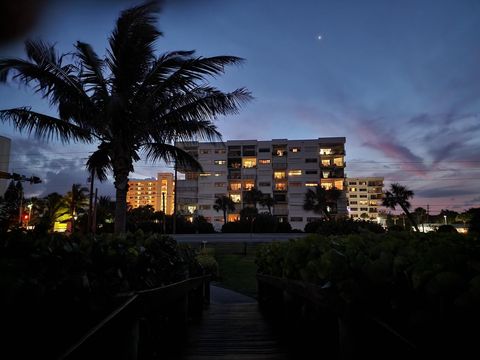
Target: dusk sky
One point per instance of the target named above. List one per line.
(399, 79)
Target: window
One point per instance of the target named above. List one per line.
(373, 203)
(363, 196)
(326, 162)
(295, 173)
(338, 161)
(362, 190)
(353, 202)
(235, 186)
(220, 151)
(279, 175)
(204, 207)
(311, 184)
(264, 150)
(205, 174)
(311, 160)
(220, 173)
(281, 186)
(311, 172)
(363, 209)
(353, 196)
(236, 198)
(219, 184)
(354, 209)
(204, 151)
(264, 161)
(296, 218)
(352, 183)
(325, 151)
(295, 149)
(364, 183)
(295, 184)
(264, 184)
(363, 202)
(249, 185)
(220, 162)
(280, 197)
(353, 189)
(249, 163)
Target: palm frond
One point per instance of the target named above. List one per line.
(131, 46)
(100, 163)
(169, 154)
(43, 126)
(92, 71)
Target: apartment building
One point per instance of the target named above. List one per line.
(4, 161)
(157, 192)
(365, 197)
(280, 167)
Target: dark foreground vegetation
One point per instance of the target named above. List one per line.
(55, 288)
(421, 289)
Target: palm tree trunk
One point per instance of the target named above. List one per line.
(224, 216)
(410, 217)
(121, 187)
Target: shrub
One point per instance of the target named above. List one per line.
(447, 229)
(342, 227)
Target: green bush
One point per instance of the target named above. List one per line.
(208, 263)
(342, 227)
(415, 281)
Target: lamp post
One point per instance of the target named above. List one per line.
(445, 218)
(29, 214)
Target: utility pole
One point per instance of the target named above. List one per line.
(174, 224)
(90, 202)
(94, 217)
(164, 217)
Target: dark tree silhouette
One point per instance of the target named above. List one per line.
(130, 103)
(267, 201)
(224, 204)
(319, 200)
(253, 197)
(399, 195)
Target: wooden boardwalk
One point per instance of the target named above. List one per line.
(233, 331)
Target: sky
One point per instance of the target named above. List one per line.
(399, 79)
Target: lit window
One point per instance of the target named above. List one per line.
(353, 189)
(205, 174)
(339, 184)
(264, 161)
(325, 151)
(295, 184)
(327, 186)
(338, 161)
(249, 185)
(295, 149)
(311, 184)
(325, 162)
(281, 186)
(236, 198)
(249, 162)
(279, 175)
(235, 186)
(220, 162)
(295, 173)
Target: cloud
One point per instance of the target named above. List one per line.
(445, 192)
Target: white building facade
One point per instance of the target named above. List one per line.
(283, 168)
(365, 196)
(4, 161)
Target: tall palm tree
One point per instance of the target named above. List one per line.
(320, 201)
(399, 195)
(131, 103)
(55, 210)
(76, 200)
(267, 201)
(253, 197)
(225, 204)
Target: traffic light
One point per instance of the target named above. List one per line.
(25, 217)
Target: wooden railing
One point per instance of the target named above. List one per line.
(145, 322)
(306, 307)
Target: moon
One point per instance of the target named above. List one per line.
(319, 37)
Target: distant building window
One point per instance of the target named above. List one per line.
(235, 186)
(236, 198)
(295, 173)
(325, 151)
(249, 185)
(279, 175)
(296, 218)
(264, 150)
(205, 174)
(353, 189)
(311, 160)
(219, 184)
(326, 162)
(295, 149)
(311, 184)
(264, 184)
(363, 190)
(204, 151)
(352, 183)
(295, 184)
(264, 161)
(353, 202)
(338, 161)
(363, 196)
(280, 197)
(353, 196)
(311, 172)
(204, 207)
(281, 186)
(220, 151)
(354, 209)
(249, 163)
(220, 162)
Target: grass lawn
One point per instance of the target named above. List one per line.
(237, 270)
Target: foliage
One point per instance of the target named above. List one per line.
(342, 227)
(9, 205)
(399, 195)
(225, 204)
(321, 201)
(208, 263)
(417, 282)
(446, 229)
(251, 221)
(133, 102)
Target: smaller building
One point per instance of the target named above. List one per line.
(157, 192)
(364, 197)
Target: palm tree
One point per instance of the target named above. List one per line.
(399, 195)
(320, 200)
(267, 201)
(55, 210)
(225, 204)
(76, 200)
(253, 197)
(130, 103)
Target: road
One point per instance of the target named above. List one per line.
(235, 238)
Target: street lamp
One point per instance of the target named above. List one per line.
(29, 206)
(445, 218)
